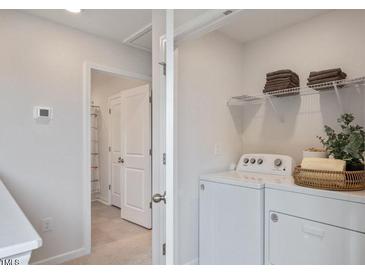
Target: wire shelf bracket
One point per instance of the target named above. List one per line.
(280, 117)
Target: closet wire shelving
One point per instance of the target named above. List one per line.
(333, 86)
(95, 178)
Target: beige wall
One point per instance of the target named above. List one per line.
(209, 72)
(327, 41)
(104, 85)
(42, 64)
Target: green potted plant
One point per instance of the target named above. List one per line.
(348, 144)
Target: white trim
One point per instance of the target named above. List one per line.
(170, 223)
(87, 67)
(117, 71)
(64, 257)
(158, 148)
(102, 201)
(134, 36)
(176, 165)
(203, 24)
(86, 157)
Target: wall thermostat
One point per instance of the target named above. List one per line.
(42, 113)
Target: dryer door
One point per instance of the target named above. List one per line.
(293, 240)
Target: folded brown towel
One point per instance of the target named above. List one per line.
(282, 75)
(281, 87)
(286, 83)
(280, 80)
(315, 73)
(279, 72)
(325, 75)
(283, 80)
(329, 79)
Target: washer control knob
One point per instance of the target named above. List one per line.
(277, 162)
(245, 161)
(260, 161)
(253, 160)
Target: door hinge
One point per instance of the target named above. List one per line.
(151, 205)
(164, 249)
(110, 148)
(110, 187)
(150, 99)
(163, 64)
(164, 158)
(151, 151)
(110, 111)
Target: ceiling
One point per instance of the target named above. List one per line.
(116, 25)
(132, 27)
(249, 25)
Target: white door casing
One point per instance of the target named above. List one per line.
(135, 153)
(170, 163)
(159, 147)
(115, 147)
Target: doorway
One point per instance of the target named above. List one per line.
(120, 142)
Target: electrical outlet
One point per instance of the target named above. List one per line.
(47, 224)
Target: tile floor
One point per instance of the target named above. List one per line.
(116, 241)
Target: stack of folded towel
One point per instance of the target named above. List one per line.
(328, 75)
(281, 79)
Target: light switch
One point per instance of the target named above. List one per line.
(217, 149)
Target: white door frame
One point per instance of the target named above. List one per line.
(86, 202)
(170, 139)
(110, 98)
(167, 225)
(158, 168)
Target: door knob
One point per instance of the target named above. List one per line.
(274, 217)
(120, 160)
(158, 198)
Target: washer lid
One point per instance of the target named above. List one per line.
(244, 179)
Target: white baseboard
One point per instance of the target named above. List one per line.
(193, 262)
(102, 201)
(61, 258)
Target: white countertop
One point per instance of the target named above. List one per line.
(17, 234)
(285, 183)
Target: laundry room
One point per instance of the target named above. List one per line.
(136, 136)
(225, 108)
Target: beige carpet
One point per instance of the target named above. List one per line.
(116, 241)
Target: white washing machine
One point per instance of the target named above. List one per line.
(231, 212)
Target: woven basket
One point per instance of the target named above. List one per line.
(330, 180)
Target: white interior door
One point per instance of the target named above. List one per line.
(136, 158)
(115, 146)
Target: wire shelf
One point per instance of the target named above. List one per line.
(299, 91)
